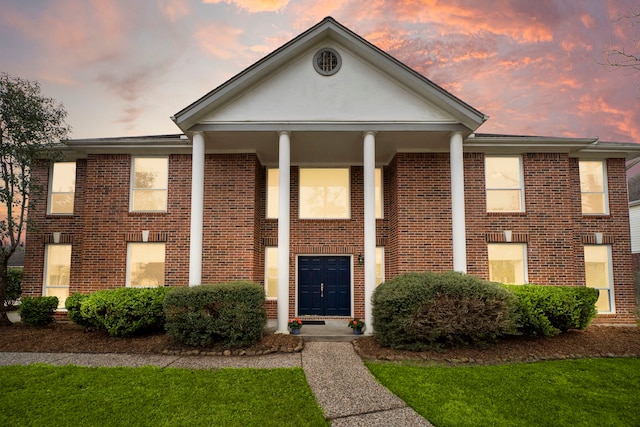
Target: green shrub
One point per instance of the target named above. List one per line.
(14, 286)
(73, 304)
(232, 314)
(415, 311)
(550, 310)
(38, 311)
(125, 311)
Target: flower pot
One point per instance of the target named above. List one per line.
(357, 331)
(295, 331)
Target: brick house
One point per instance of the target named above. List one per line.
(321, 170)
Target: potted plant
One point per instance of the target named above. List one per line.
(295, 326)
(357, 325)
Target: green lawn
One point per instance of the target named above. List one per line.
(69, 395)
(590, 392)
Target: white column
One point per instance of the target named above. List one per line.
(369, 168)
(284, 166)
(197, 209)
(458, 232)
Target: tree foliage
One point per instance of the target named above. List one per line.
(31, 127)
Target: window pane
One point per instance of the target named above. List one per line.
(592, 186)
(273, 192)
(597, 269)
(146, 264)
(591, 176)
(502, 172)
(271, 279)
(62, 203)
(150, 180)
(324, 193)
(503, 184)
(603, 304)
(507, 263)
(504, 200)
(63, 187)
(150, 200)
(378, 196)
(379, 265)
(593, 203)
(58, 272)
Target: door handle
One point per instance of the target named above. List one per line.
(321, 290)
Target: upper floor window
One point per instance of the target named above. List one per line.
(598, 275)
(593, 187)
(504, 184)
(318, 194)
(508, 263)
(149, 182)
(62, 188)
(145, 265)
(325, 193)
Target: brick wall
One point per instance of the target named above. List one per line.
(415, 231)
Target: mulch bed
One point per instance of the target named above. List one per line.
(596, 341)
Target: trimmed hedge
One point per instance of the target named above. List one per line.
(38, 311)
(124, 311)
(550, 310)
(232, 314)
(415, 311)
(14, 286)
(73, 304)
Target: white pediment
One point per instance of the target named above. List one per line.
(358, 93)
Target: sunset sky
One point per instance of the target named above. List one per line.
(123, 67)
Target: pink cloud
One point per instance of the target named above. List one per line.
(174, 9)
(254, 6)
(220, 40)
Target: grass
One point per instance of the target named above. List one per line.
(588, 392)
(71, 395)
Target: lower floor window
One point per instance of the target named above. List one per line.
(57, 272)
(145, 265)
(271, 272)
(508, 263)
(379, 265)
(598, 275)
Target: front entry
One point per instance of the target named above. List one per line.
(324, 285)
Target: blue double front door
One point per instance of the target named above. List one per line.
(324, 285)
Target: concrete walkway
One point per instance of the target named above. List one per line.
(343, 386)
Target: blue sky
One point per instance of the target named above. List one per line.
(123, 67)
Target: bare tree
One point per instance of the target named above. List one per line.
(31, 127)
(625, 54)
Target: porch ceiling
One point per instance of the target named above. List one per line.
(325, 147)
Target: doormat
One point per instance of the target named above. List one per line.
(313, 322)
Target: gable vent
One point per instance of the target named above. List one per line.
(327, 62)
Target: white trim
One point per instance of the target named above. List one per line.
(458, 225)
(284, 201)
(368, 175)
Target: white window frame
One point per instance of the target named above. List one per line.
(380, 195)
(51, 192)
(610, 289)
(128, 269)
(347, 217)
(132, 184)
(605, 188)
(268, 249)
(45, 279)
(521, 187)
(525, 264)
